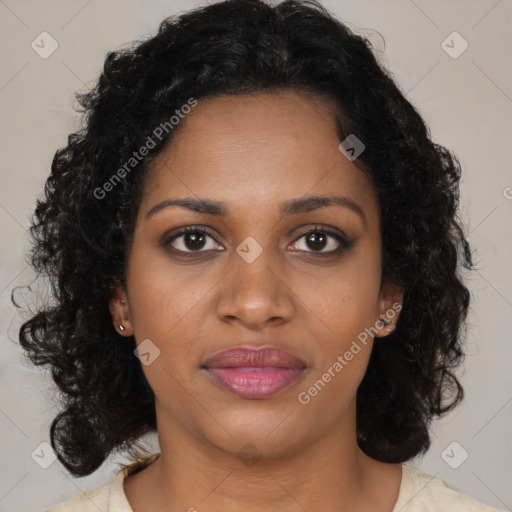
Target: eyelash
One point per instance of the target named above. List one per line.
(344, 244)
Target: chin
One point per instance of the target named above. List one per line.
(263, 435)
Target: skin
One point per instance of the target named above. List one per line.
(254, 152)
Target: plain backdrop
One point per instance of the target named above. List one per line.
(466, 99)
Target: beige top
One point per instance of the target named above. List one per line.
(419, 492)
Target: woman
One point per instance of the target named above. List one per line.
(254, 249)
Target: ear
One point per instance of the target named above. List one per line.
(390, 305)
(120, 311)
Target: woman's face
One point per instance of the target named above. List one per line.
(255, 276)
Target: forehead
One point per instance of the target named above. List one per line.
(257, 149)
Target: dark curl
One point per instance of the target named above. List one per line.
(81, 239)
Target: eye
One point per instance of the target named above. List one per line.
(191, 239)
(323, 241)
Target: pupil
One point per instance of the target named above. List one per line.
(315, 237)
(196, 238)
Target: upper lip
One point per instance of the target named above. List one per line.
(240, 357)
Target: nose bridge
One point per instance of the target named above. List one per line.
(255, 291)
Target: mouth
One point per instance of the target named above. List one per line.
(254, 373)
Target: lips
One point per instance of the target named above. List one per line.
(257, 358)
(254, 373)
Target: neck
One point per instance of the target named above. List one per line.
(330, 473)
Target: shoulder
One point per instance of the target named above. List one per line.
(107, 498)
(94, 500)
(421, 492)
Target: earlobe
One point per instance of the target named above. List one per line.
(119, 310)
(385, 327)
(391, 301)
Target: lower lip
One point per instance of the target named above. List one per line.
(255, 382)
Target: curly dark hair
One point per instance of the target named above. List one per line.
(80, 239)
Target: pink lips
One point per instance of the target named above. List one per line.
(254, 373)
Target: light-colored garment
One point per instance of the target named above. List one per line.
(419, 492)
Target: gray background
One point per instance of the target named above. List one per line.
(467, 102)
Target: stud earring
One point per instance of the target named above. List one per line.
(386, 322)
(121, 327)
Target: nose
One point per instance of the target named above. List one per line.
(255, 294)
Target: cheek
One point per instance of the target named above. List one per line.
(163, 309)
(344, 312)
(160, 297)
(167, 306)
(346, 297)
(340, 312)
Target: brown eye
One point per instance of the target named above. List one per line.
(322, 241)
(191, 239)
(316, 240)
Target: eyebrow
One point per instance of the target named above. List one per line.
(291, 207)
